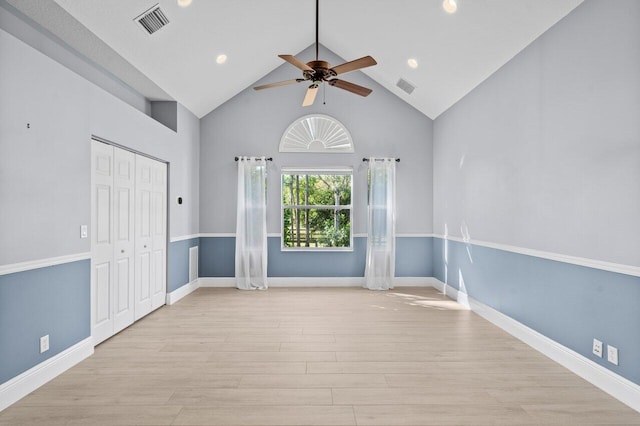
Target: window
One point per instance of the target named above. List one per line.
(316, 209)
(316, 133)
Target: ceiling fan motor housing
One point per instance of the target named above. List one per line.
(321, 71)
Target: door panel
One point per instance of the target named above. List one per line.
(159, 234)
(102, 245)
(124, 247)
(103, 215)
(103, 283)
(143, 241)
(123, 304)
(123, 208)
(158, 271)
(145, 213)
(145, 277)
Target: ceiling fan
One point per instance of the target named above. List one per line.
(318, 72)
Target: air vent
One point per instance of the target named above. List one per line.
(405, 85)
(153, 19)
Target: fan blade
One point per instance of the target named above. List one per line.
(350, 87)
(364, 62)
(297, 62)
(281, 83)
(310, 96)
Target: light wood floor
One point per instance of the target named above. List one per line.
(342, 356)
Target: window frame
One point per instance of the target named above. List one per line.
(316, 171)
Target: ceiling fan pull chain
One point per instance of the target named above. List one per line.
(324, 93)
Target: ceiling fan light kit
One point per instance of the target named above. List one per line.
(318, 72)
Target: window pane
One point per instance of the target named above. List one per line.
(333, 189)
(297, 231)
(316, 228)
(294, 190)
(316, 190)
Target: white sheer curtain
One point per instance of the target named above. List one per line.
(251, 224)
(381, 226)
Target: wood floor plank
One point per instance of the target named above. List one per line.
(443, 414)
(582, 414)
(312, 381)
(256, 367)
(226, 397)
(267, 415)
(450, 380)
(266, 338)
(271, 356)
(397, 367)
(409, 396)
(323, 356)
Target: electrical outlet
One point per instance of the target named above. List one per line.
(597, 348)
(44, 343)
(612, 354)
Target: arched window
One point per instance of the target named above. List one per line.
(316, 133)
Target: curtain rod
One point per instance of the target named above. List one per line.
(380, 159)
(268, 159)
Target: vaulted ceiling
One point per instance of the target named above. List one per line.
(454, 52)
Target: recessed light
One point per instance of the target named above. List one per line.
(221, 59)
(412, 63)
(450, 6)
(184, 3)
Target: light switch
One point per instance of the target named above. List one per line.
(44, 343)
(84, 232)
(612, 354)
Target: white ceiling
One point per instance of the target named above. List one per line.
(455, 52)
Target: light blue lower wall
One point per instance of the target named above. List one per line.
(216, 257)
(179, 263)
(54, 300)
(413, 259)
(568, 303)
(316, 263)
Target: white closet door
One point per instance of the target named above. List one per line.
(102, 245)
(159, 234)
(129, 238)
(123, 226)
(143, 236)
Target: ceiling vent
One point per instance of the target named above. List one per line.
(405, 86)
(153, 19)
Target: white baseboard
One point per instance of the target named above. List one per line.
(450, 292)
(316, 282)
(413, 282)
(217, 282)
(181, 292)
(610, 382)
(20, 386)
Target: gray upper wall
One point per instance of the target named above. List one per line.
(45, 166)
(252, 123)
(545, 154)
